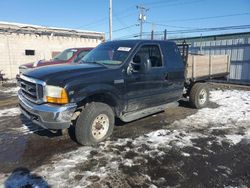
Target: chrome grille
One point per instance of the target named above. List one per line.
(32, 89)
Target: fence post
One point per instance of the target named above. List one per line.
(165, 34)
(152, 35)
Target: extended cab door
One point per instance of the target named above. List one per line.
(174, 77)
(144, 87)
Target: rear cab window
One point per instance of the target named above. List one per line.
(172, 56)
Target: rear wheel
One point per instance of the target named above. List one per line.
(95, 123)
(199, 95)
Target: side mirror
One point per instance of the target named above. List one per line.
(129, 69)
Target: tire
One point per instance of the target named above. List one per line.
(199, 95)
(94, 124)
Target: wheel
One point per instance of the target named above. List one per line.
(94, 124)
(199, 95)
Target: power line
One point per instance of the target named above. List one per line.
(122, 23)
(124, 28)
(212, 29)
(129, 9)
(128, 36)
(206, 18)
(178, 4)
(92, 23)
(105, 19)
(160, 2)
(166, 25)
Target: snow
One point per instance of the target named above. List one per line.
(77, 168)
(24, 129)
(234, 110)
(9, 90)
(235, 139)
(9, 112)
(28, 128)
(44, 27)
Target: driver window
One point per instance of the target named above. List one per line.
(151, 52)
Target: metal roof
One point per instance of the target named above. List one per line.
(214, 37)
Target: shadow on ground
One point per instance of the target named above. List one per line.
(23, 177)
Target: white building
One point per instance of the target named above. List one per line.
(22, 43)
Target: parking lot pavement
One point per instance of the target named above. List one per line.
(181, 147)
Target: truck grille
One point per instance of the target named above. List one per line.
(32, 89)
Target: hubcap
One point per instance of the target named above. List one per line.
(202, 96)
(100, 126)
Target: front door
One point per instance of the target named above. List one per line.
(144, 88)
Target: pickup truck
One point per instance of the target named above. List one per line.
(127, 79)
(67, 56)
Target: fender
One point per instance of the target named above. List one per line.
(115, 95)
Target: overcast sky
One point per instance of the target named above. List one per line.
(165, 14)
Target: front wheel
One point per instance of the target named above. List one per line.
(199, 95)
(95, 123)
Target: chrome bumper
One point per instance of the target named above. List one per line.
(48, 116)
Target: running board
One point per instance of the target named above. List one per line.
(131, 116)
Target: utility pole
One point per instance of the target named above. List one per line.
(110, 19)
(142, 17)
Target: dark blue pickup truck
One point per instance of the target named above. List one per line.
(127, 79)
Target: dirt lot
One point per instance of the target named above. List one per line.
(181, 147)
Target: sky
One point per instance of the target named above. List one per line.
(172, 15)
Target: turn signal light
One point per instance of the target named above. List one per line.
(63, 99)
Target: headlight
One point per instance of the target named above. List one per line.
(56, 95)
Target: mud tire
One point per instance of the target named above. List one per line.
(83, 130)
(199, 95)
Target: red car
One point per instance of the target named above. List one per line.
(71, 55)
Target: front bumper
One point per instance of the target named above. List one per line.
(48, 116)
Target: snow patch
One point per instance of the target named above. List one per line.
(10, 90)
(235, 139)
(10, 112)
(233, 111)
(28, 128)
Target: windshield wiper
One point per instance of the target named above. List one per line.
(90, 62)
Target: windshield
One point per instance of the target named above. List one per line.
(65, 55)
(109, 53)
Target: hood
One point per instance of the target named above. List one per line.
(41, 63)
(57, 74)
